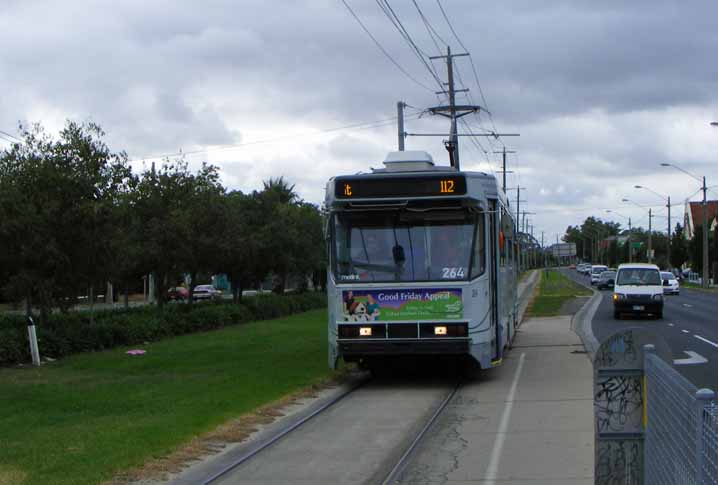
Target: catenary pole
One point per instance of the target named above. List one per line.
(400, 117)
(630, 248)
(452, 104)
(504, 171)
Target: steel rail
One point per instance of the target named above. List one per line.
(275, 438)
(400, 466)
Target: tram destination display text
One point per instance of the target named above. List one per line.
(386, 187)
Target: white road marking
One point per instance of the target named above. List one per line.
(670, 325)
(685, 331)
(495, 459)
(693, 359)
(706, 341)
(687, 305)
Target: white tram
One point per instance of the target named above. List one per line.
(423, 260)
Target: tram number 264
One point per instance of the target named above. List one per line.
(452, 273)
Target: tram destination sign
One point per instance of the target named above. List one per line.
(389, 187)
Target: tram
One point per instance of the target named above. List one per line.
(423, 261)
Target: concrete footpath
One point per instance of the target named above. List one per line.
(527, 422)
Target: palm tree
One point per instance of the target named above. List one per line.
(284, 192)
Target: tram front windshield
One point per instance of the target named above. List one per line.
(381, 246)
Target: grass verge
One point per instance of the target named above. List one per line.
(554, 289)
(695, 286)
(89, 417)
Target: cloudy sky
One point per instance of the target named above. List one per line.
(601, 92)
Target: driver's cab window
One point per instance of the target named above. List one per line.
(478, 263)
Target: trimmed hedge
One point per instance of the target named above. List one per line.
(71, 333)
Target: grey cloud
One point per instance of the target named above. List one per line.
(570, 75)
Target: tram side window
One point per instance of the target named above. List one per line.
(478, 265)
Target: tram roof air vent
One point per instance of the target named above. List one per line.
(409, 161)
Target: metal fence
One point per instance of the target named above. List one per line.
(681, 435)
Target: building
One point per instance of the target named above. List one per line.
(693, 217)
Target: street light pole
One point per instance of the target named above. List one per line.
(668, 206)
(650, 232)
(704, 282)
(705, 236)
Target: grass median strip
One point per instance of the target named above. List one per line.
(88, 417)
(554, 291)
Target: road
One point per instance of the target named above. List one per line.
(690, 323)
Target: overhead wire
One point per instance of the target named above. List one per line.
(418, 52)
(355, 126)
(5, 134)
(383, 50)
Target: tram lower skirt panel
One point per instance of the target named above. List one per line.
(405, 347)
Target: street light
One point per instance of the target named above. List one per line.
(704, 283)
(650, 228)
(630, 250)
(667, 198)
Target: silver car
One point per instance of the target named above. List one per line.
(670, 283)
(206, 292)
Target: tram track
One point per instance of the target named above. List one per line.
(271, 440)
(388, 470)
(397, 471)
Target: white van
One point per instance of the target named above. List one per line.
(638, 290)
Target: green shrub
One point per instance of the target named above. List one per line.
(69, 333)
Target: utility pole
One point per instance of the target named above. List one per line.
(504, 152)
(668, 258)
(400, 117)
(650, 230)
(630, 249)
(705, 282)
(453, 111)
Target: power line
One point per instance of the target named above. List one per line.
(418, 52)
(356, 126)
(471, 60)
(429, 28)
(384, 51)
(5, 134)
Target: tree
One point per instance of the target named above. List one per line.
(57, 198)
(589, 234)
(280, 191)
(679, 251)
(240, 244)
(157, 204)
(202, 224)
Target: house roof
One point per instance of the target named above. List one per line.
(697, 211)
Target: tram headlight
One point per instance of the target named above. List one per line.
(440, 330)
(365, 331)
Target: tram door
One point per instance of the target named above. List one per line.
(493, 279)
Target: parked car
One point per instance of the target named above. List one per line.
(596, 271)
(638, 290)
(206, 292)
(178, 293)
(670, 283)
(607, 280)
